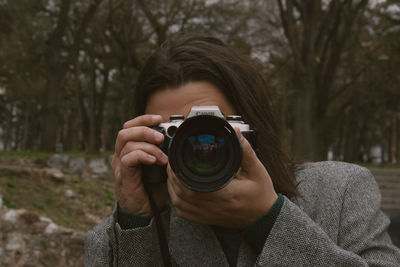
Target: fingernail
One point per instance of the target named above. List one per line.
(151, 158)
(156, 118)
(164, 158)
(239, 133)
(158, 136)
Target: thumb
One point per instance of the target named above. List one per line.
(249, 158)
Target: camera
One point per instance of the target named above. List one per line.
(203, 150)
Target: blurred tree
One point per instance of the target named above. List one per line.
(69, 67)
(391, 35)
(57, 61)
(21, 72)
(317, 33)
(370, 101)
(121, 37)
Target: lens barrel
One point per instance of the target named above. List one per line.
(205, 153)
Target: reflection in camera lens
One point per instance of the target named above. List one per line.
(205, 154)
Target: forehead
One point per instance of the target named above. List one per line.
(178, 101)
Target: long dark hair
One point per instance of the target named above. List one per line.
(190, 58)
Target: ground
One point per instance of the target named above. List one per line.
(73, 202)
(80, 203)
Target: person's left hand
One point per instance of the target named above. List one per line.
(245, 199)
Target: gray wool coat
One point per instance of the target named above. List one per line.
(336, 222)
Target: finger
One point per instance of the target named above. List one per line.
(151, 149)
(188, 194)
(174, 182)
(249, 158)
(172, 193)
(183, 209)
(139, 133)
(138, 157)
(144, 120)
(181, 190)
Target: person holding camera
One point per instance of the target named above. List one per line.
(202, 180)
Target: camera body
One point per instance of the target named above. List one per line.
(203, 150)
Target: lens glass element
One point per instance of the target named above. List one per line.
(205, 154)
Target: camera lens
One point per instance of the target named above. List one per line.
(205, 153)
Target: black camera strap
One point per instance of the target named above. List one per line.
(162, 238)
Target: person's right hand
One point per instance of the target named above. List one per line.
(136, 145)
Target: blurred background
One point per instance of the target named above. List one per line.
(68, 69)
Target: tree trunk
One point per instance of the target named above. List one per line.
(71, 140)
(398, 139)
(350, 148)
(393, 140)
(26, 129)
(317, 36)
(100, 138)
(92, 149)
(8, 129)
(51, 112)
(95, 109)
(56, 69)
(304, 138)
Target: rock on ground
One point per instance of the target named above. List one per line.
(29, 240)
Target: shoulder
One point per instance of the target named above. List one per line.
(331, 175)
(326, 187)
(338, 171)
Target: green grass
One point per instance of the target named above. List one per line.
(8, 203)
(21, 189)
(24, 154)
